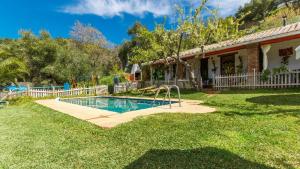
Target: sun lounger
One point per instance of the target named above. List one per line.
(3, 104)
(151, 89)
(2, 100)
(145, 90)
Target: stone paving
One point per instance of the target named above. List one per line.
(108, 119)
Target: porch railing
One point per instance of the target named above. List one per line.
(257, 80)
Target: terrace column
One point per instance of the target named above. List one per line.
(180, 72)
(236, 62)
(265, 49)
(297, 53)
(253, 57)
(170, 73)
(166, 76)
(151, 75)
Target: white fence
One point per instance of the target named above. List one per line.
(258, 80)
(40, 93)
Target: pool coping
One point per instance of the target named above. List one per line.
(109, 119)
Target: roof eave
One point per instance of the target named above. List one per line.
(244, 43)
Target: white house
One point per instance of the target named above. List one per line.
(251, 54)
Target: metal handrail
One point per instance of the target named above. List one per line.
(168, 87)
(158, 91)
(178, 91)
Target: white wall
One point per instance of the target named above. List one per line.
(243, 54)
(210, 66)
(274, 60)
(195, 65)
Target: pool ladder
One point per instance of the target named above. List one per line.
(168, 88)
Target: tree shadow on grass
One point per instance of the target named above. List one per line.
(208, 157)
(277, 100)
(261, 91)
(278, 113)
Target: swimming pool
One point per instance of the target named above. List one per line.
(115, 104)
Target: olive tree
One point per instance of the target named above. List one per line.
(166, 45)
(100, 55)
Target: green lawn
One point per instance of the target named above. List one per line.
(250, 130)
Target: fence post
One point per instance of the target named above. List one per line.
(28, 88)
(53, 90)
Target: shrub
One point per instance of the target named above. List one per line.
(109, 80)
(265, 75)
(20, 100)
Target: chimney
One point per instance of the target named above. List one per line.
(284, 20)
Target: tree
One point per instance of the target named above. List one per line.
(163, 44)
(95, 45)
(265, 14)
(44, 60)
(255, 11)
(126, 49)
(87, 34)
(70, 65)
(123, 53)
(11, 67)
(275, 20)
(38, 52)
(147, 46)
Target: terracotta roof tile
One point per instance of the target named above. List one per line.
(274, 33)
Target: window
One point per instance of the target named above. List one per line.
(228, 64)
(286, 52)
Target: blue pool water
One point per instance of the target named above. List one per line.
(118, 105)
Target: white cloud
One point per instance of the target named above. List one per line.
(227, 7)
(111, 8)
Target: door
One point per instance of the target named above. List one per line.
(204, 69)
(228, 64)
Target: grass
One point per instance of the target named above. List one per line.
(250, 130)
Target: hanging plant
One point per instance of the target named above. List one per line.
(285, 54)
(285, 60)
(215, 68)
(240, 67)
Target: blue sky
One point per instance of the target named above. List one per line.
(111, 17)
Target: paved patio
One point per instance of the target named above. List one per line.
(108, 119)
